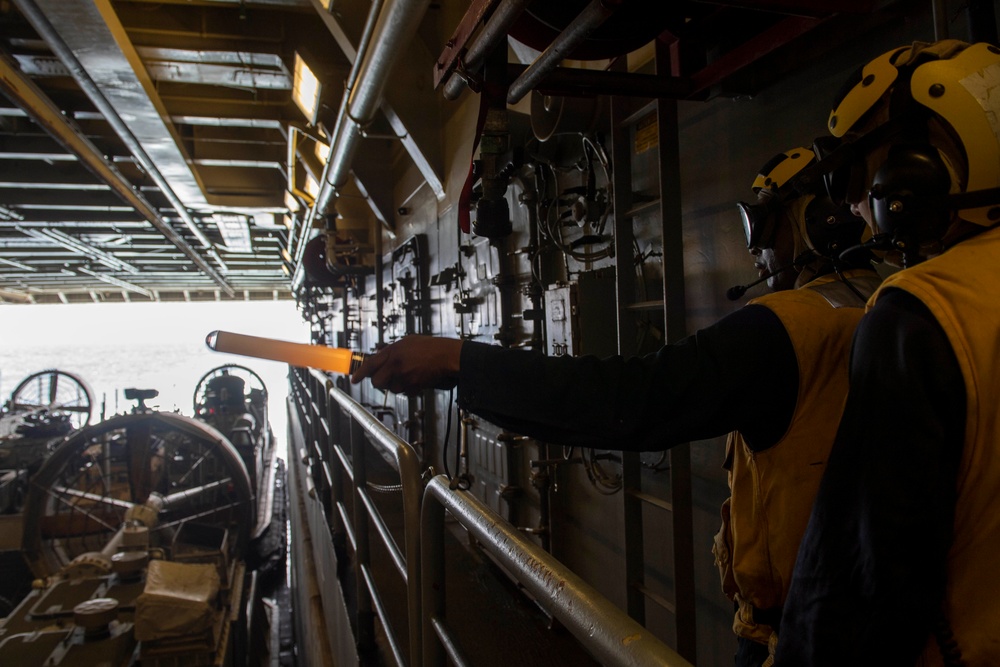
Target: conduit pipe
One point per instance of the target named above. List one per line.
(395, 26)
(44, 28)
(493, 31)
(352, 78)
(591, 18)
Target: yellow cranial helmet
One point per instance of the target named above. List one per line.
(817, 224)
(781, 169)
(772, 185)
(925, 119)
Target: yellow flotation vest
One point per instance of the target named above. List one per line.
(961, 287)
(772, 491)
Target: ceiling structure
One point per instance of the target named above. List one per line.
(156, 151)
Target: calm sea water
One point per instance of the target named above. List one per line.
(143, 345)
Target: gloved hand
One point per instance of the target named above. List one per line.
(413, 363)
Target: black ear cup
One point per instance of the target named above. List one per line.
(832, 229)
(909, 195)
(836, 178)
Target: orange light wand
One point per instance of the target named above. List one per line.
(335, 359)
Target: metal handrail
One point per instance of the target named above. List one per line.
(602, 628)
(406, 462)
(610, 635)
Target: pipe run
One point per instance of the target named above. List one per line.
(591, 18)
(493, 31)
(352, 79)
(395, 25)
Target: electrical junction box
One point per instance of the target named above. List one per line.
(581, 317)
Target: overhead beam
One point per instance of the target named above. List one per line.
(279, 4)
(78, 246)
(91, 42)
(44, 112)
(755, 48)
(117, 282)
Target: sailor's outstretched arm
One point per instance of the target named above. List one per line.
(740, 373)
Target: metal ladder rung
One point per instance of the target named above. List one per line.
(646, 305)
(642, 207)
(656, 597)
(651, 499)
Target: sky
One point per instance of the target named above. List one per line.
(159, 346)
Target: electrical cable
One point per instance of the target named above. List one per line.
(604, 483)
(850, 285)
(569, 197)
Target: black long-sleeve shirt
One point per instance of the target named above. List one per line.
(738, 374)
(870, 574)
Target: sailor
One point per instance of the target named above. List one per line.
(898, 564)
(773, 372)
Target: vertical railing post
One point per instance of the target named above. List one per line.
(432, 581)
(336, 478)
(311, 429)
(413, 493)
(350, 432)
(675, 325)
(362, 547)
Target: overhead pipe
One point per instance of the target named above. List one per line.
(591, 18)
(396, 24)
(493, 31)
(44, 28)
(40, 108)
(352, 78)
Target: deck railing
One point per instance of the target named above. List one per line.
(335, 418)
(607, 632)
(330, 417)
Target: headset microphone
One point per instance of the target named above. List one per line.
(736, 291)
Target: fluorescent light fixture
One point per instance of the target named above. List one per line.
(235, 231)
(312, 187)
(305, 89)
(267, 219)
(322, 151)
(300, 184)
(291, 203)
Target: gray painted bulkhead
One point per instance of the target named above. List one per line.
(722, 144)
